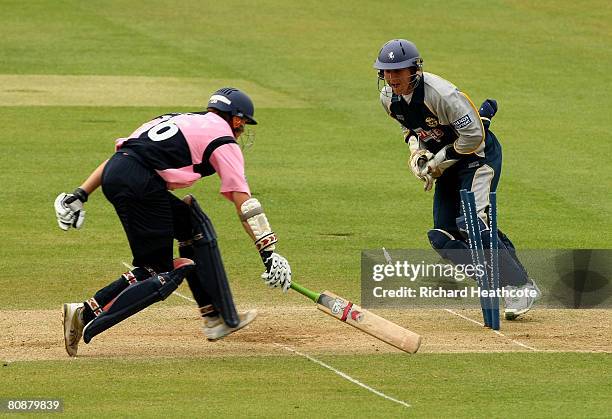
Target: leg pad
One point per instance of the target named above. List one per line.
(137, 297)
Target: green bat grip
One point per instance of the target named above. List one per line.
(314, 296)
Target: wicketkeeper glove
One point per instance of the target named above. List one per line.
(429, 181)
(418, 164)
(69, 209)
(418, 161)
(487, 111)
(439, 163)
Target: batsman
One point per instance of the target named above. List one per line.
(170, 152)
(452, 146)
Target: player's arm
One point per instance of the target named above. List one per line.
(94, 180)
(464, 118)
(69, 206)
(454, 108)
(418, 153)
(239, 198)
(229, 165)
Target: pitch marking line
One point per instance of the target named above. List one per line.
(363, 385)
(343, 375)
(184, 297)
(495, 331)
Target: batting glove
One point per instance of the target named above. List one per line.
(278, 271)
(69, 209)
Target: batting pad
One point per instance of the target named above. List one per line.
(136, 298)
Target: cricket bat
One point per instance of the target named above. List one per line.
(362, 319)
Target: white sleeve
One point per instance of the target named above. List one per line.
(454, 108)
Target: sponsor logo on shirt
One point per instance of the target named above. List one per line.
(462, 122)
(435, 134)
(431, 122)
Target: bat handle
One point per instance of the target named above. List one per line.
(314, 296)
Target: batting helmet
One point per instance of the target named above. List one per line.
(397, 54)
(233, 102)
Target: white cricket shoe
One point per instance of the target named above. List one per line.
(215, 328)
(73, 326)
(516, 306)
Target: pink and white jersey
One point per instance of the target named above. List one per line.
(184, 147)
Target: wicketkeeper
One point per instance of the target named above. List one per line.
(170, 152)
(450, 145)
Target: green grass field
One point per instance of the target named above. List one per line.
(439, 385)
(330, 169)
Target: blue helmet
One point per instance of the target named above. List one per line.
(234, 102)
(397, 54)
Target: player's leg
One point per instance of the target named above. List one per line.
(482, 180)
(137, 297)
(444, 237)
(511, 250)
(145, 208)
(208, 282)
(141, 202)
(515, 306)
(183, 233)
(77, 315)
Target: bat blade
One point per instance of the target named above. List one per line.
(368, 322)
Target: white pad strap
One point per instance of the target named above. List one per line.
(252, 213)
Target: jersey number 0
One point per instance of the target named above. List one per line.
(163, 131)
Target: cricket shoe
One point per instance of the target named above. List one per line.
(516, 306)
(73, 326)
(215, 328)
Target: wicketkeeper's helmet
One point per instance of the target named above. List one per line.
(234, 102)
(397, 54)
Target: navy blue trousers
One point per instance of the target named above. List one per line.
(476, 174)
(481, 176)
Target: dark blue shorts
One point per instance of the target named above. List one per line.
(151, 216)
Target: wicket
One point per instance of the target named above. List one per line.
(488, 282)
(494, 252)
